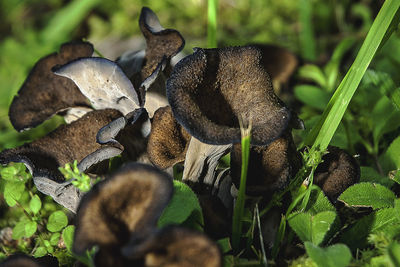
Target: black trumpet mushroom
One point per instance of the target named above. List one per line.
(120, 216)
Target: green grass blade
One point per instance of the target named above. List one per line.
(212, 23)
(239, 206)
(322, 133)
(307, 39)
(66, 20)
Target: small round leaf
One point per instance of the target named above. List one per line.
(57, 221)
(35, 204)
(54, 239)
(40, 252)
(30, 228)
(68, 236)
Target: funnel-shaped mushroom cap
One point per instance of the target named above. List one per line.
(270, 167)
(176, 246)
(210, 90)
(338, 171)
(103, 82)
(67, 143)
(160, 42)
(168, 140)
(43, 94)
(279, 62)
(129, 201)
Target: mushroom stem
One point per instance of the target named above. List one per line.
(201, 162)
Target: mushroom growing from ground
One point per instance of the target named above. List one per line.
(210, 90)
(270, 167)
(120, 215)
(67, 143)
(168, 140)
(338, 171)
(44, 94)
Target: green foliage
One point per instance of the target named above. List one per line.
(183, 205)
(79, 179)
(312, 228)
(368, 195)
(57, 221)
(337, 255)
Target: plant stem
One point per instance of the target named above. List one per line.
(212, 23)
(239, 206)
(322, 133)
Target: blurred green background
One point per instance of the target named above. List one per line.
(31, 29)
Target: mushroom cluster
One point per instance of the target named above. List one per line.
(158, 115)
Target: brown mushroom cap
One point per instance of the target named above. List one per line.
(210, 90)
(270, 167)
(160, 42)
(176, 246)
(64, 145)
(279, 62)
(43, 94)
(338, 171)
(168, 140)
(130, 201)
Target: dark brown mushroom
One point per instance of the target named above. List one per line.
(279, 62)
(176, 246)
(270, 167)
(338, 171)
(44, 94)
(67, 143)
(168, 140)
(160, 42)
(212, 89)
(130, 201)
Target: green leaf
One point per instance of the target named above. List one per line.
(224, 244)
(54, 238)
(184, 202)
(394, 253)
(390, 160)
(68, 236)
(338, 255)
(57, 221)
(369, 174)
(8, 173)
(13, 192)
(19, 230)
(312, 96)
(40, 252)
(385, 118)
(383, 220)
(30, 228)
(368, 195)
(313, 73)
(35, 204)
(312, 228)
(318, 202)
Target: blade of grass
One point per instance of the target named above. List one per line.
(66, 20)
(239, 205)
(322, 133)
(307, 40)
(212, 23)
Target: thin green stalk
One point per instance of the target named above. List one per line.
(212, 23)
(321, 135)
(239, 205)
(307, 39)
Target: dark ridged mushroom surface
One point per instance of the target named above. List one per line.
(160, 42)
(177, 246)
(338, 171)
(130, 201)
(43, 93)
(270, 167)
(64, 145)
(168, 140)
(212, 89)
